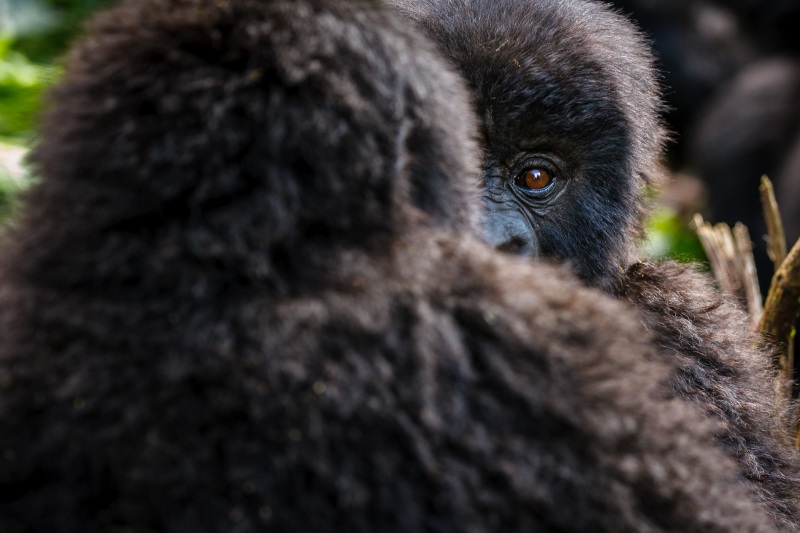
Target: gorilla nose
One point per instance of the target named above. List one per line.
(513, 245)
(509, 232)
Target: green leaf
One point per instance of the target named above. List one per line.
(670, 237)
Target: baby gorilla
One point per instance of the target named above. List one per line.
(240, 300)
(569, 111)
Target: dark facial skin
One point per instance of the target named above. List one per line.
(569, 111)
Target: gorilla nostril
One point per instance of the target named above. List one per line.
(514, 245)
(507, 230)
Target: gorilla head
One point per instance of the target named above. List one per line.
(569, 110)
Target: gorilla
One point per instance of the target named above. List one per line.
(243, 296)
(569, 117)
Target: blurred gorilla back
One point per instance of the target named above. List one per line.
(242, 297)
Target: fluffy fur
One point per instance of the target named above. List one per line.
(236, 302)
(718, 363)
(573, 82)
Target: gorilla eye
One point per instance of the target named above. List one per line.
(534, 179)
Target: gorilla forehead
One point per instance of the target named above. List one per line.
(541, 108)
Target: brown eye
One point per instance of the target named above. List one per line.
(535, 179)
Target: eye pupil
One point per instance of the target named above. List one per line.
(535, 179)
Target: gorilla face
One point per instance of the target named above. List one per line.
(569, 109)
(551, 183)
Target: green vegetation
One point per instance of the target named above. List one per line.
(21, 85)
(670, 237)
(33, 36)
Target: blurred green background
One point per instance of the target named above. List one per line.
(34, 35)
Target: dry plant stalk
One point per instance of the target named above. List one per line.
(782, 307)
(783, 300)
(731, 255)
(779, 319)
(746, 269)
(772, 215)
(781, 311)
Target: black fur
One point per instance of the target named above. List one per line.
(573, 82)
(236, 302)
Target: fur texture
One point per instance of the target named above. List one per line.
(573, 82)
(236, 302)
(718, 363)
